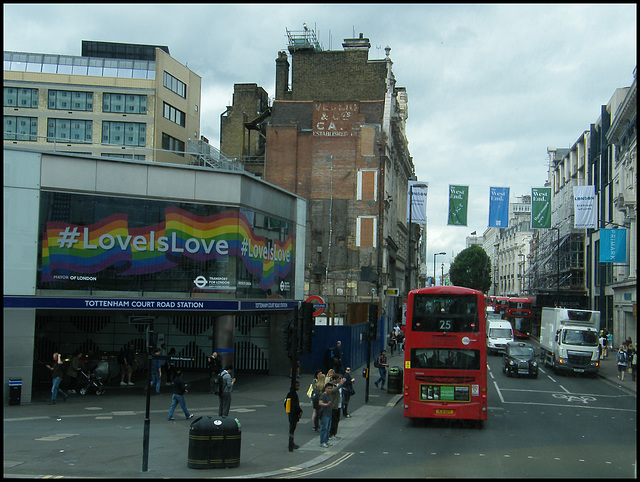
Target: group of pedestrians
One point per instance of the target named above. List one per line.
(626, 358)
(329, 402)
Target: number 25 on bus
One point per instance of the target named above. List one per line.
(445, 364)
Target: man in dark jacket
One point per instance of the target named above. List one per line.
(295, 414)
(179, 390)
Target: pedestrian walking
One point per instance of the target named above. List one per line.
(163, 361)
(226, 386)
(336, 404)
(634, 362)
(325, 415)
(178, 397)
(127, 363)
(392, 342)
(381, 364)
(603, 344)
(72, 372)
(295, 414)
(171, 367)
(57, 371)
(156, 371)
(621, 358)
(347, 391)
(215, 367)
(610, 341)
(337, 357)
(318, 388)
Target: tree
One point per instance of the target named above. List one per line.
(472, 268)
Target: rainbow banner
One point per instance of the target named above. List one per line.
(111, 243)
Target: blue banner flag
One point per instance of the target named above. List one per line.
(498, 207)
(613, 245)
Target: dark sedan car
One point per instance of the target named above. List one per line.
(520, 359)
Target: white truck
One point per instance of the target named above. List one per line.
(569, 339)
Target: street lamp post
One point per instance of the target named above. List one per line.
(434, 265)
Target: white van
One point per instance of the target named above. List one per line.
(499, 333)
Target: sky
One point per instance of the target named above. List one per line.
(490, 86)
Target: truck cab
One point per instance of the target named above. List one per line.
(569, 340)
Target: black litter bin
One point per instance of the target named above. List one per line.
(394, 384)
(214, 442)
(15, 391)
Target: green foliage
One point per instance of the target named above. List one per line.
(472, 268)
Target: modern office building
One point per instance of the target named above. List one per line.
(115, 100)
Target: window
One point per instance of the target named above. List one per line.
(367, 189)
(15, 97)
(173, 114)
(172, 144)
(125, 103)
(20, 128)
(366, 232)
(174, 85)
(124, 133)
(69, 130)
(68, 100)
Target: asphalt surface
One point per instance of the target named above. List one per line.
(94, 436)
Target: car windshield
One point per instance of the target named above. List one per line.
(500, 333)
(521, 351)
(579, 337)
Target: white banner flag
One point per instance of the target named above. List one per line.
(584, 207)
(418, 197)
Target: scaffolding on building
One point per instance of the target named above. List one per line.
(303, 39)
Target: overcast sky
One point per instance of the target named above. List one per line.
(490, 87)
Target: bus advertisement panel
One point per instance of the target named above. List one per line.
(445, 365)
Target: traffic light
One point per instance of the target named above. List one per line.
(287, 337)
(308, 324)
(372, 327)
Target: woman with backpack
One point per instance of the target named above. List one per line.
(621, 357)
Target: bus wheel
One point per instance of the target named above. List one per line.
(479, 424)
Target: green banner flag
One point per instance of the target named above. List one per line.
(458, 199)
(540, 207)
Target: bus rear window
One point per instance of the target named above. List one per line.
(440, 313)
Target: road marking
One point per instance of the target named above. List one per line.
(572, 398)
(56, 437)
(499, 393)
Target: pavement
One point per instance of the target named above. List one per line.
(102, 436)
(94, 436)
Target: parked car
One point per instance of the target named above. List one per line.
(520, 360)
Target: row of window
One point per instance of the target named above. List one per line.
(73, 100)
(174, 85)
(80, 131)
(83, 101)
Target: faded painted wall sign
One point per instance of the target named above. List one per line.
(334, 119)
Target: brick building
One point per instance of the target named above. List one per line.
(337, 138)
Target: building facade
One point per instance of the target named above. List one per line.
(97, 251)
(116, 100)
(336, 136)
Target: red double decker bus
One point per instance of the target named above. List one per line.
(501, 304)
(520, 317)
(445, 364)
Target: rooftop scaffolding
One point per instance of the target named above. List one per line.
(303, 39)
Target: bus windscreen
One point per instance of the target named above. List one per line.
(440, 313)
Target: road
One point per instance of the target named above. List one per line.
(553, 426)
